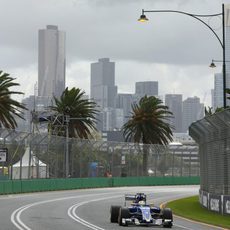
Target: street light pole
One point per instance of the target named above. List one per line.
(198, 17)
(224, 61)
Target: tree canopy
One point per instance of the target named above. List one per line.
(148, 123)
(9, 108)
(78, 111)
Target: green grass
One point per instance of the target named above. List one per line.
(190, 208)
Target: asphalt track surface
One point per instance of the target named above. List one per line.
(84, 209)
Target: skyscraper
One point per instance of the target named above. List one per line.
(193, 110)
(102, 84)
(218, 91)
(124, 101)
(51, 62)
(149, 88)
(174, 103)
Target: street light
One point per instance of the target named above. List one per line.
(143, 18)
(213, 65)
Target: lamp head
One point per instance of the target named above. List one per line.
(212, 65)
(143, 17)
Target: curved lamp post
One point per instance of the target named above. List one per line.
(143, 18)
(213, 65)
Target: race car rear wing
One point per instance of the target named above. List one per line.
(130, 197)
(135, 198)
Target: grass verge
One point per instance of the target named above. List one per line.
(190, 208)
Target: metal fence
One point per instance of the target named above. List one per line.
(42, 155)
(213, 136)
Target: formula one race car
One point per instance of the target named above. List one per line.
(139, 213)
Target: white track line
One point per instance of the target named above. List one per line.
(16, 215)
(72, 213)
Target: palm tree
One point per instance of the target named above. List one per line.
(79, 111)
(209, 111)
(9, 108)
(148, 125)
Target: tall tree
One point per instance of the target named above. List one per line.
(208, 111)
(77, 111)
(9, 108)
(148, 125)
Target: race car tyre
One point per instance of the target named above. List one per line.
(167, 215)
(114, 211)
(123, 213)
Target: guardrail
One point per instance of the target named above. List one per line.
(39, 185)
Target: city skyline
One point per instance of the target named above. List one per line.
(164, 50)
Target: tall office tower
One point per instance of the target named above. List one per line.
(102, 85)
(149, 88)
(51, 62)
(193, 110)
(110, 119)
(218, 91)
(174, 103)
(124, 101)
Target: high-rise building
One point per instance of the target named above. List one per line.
(51, 62)
(193, 110)
(110, 119)
(218, 91)
(124, 101)
(149, 88)
(174, 103)
(102, 85)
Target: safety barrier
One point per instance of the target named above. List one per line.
(39, 185)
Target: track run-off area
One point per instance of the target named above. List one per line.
(85, 208)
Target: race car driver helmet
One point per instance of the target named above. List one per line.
(139, 198)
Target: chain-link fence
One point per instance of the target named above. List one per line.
(45, 156)
(213, 136)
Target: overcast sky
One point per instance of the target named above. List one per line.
(173, 49)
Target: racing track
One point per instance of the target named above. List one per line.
(83, 209)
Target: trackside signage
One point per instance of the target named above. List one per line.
(215, 203)
(3, 154)
(205, 199)
(227, 204)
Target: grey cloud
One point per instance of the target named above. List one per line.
(109, 28)
(97, 28)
